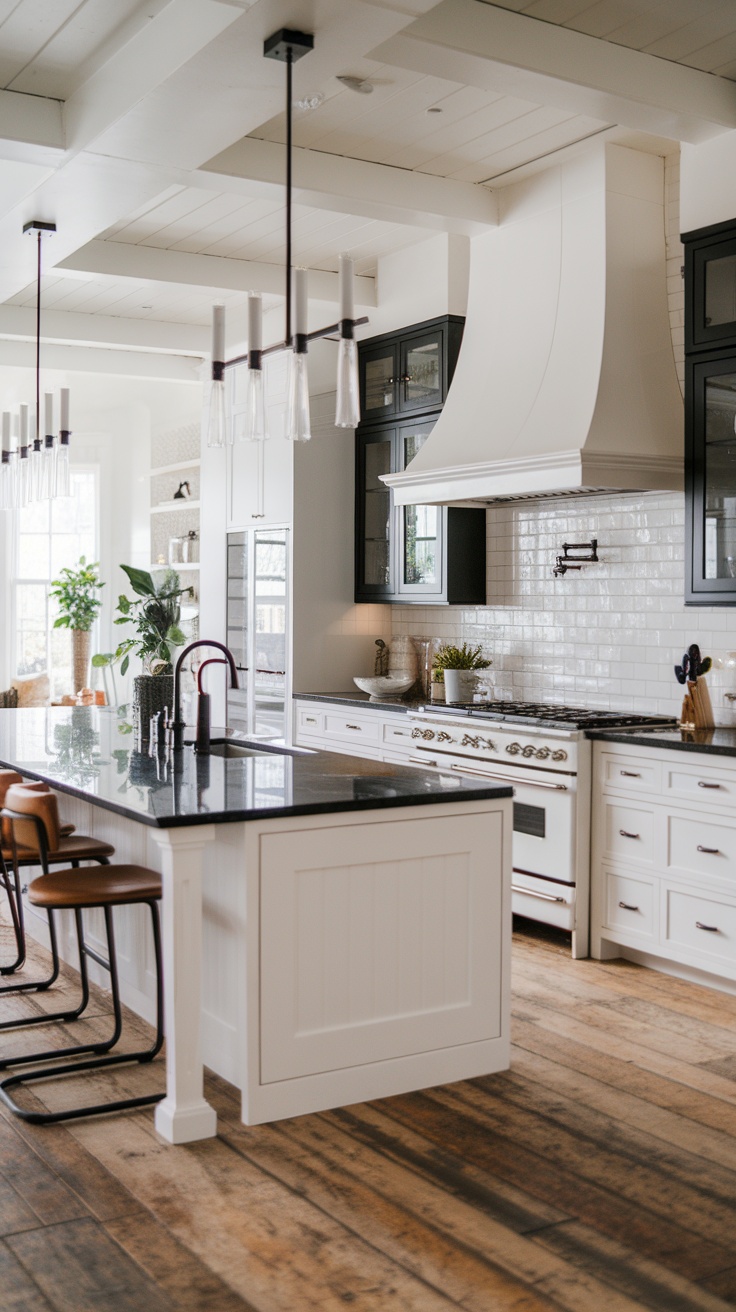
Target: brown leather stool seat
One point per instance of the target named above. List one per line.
(112, 886)
(19, 847)
(77, 890)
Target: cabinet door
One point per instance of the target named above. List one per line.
(379, 381)
(421, 371)
(710, 293)
(420, 529)
(711, 480)
(375, 571)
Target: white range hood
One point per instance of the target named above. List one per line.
(566, 379)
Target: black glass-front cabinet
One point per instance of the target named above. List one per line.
(710, 416)
(430, 554)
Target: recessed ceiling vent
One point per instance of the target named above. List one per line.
(566, 380)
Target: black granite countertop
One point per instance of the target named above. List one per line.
(715, 742)
(356, 698)
(86, 751)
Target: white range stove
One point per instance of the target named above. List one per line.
(542, 750)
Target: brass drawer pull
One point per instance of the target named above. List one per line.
(421, 760)
(626, 906)
(355, 726)
(712, 929)
(625, 834)
(710, 851)
(702, 784)
(630, 774)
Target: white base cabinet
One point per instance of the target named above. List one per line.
(663, 875)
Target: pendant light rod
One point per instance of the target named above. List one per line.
(289, 128)
(40, 229)
(328, 331)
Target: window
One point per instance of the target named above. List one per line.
(50, 536)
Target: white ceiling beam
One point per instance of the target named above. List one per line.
(174, 36)
(121, 260)
(31, 129)
(78, 328)
(81, 359)
(353, 186)
(481, 45)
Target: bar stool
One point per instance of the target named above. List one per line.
(79, 890)
(63, 847)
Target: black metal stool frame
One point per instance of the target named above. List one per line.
(14, 894)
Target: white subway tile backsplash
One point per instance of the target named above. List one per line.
(607, 636)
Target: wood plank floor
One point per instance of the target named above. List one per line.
(597, 1175)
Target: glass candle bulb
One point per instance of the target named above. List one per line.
(7, 470)
(217, 427)
(36, 474)
(298, 426)
(255, 427)
(62, 478)
(347, 409)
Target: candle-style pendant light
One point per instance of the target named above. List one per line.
(287, 46)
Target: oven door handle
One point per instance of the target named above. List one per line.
(532, 892)
(507, 779)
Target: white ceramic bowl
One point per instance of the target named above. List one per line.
(386, 685)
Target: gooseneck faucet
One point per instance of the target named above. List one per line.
(179, 724)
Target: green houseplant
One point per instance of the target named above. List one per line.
(460, 661)
(155, 614)
(75, 592)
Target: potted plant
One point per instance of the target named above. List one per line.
(75, 592)
(457, 667)
(155, 613)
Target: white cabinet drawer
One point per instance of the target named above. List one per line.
(353, 728)
(700, 785)
(309, 721)
(630, 904)
(697, 845)
(629, 832)
(397, 733)
(700, 924)
(633, 775)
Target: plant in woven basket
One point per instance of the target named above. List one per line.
(75, 592)
(448, 657)
(155, 613)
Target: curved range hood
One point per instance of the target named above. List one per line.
(566, 379)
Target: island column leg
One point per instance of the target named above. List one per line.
(184, 1115)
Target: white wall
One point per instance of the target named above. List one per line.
(708, 191)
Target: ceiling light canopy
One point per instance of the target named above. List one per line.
(287, 46)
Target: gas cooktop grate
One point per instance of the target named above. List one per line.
(576, 717)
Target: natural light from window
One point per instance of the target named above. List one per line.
(51, 535)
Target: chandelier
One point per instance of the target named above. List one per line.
(35, 468)
(286, 46)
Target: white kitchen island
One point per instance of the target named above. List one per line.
(335, 929)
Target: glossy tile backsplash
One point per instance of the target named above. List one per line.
(607, 636)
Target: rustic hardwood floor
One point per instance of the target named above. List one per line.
(599, 1173)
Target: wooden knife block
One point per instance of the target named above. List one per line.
(697, 711)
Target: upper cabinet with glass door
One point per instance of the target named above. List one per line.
(710, 287)
(710, 416)
(410, 371)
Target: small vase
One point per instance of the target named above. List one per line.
(81, 642)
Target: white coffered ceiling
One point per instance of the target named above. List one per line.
(152, 134)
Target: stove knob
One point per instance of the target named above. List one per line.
(559, 755)
(542, 753)
(427, 734)
(488, 745)
(513, 749)
(469, 741)
(443, 737)
(528, 750)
